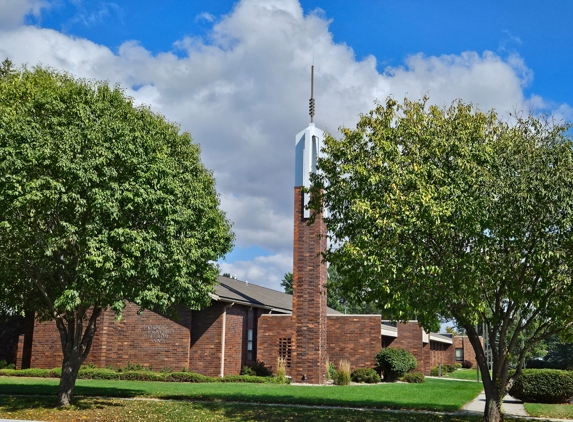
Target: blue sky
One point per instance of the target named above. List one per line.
(235, 75)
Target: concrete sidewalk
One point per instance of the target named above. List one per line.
(511, 406)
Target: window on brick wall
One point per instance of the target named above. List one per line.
(285, 350)
(250, 344)
(460, 354)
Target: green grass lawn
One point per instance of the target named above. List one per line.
(464, 374)
(435, 394)
(556, 411)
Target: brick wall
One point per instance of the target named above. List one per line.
(441, 353)
(410, 338)
(149, 338)
(235, 340)
(309, 297)
(356, 338)
(463, 342)
(274, 331)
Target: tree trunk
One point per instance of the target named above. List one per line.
(492, 412)
(70, 368)
(491, 385)
(76, 345)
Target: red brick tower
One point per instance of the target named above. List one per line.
(309, 273)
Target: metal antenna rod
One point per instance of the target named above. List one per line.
(311, 101)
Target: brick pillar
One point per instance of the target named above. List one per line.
(309, 297)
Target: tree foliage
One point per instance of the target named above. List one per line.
(101, 201)
(452, 213)
(286, 283)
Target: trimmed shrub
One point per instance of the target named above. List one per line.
(247, 370)
(365, 375)
(448, 368)
(445, 369)
(3, 364)
(330, 370)
(543, 386)
(245, 378)
(458, 366)
(188, 377)
(414, 377)
(395, 362)
(260, 369)
(466, 364)
(342, 375)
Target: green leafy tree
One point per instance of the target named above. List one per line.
(451, 213)
(286, 283)
(101, 201)
(337, 299)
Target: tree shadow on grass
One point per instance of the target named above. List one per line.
(261, 397)
(250, 412)
(52, 390)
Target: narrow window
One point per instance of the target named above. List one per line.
(250, 344)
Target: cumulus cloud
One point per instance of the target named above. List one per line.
(13, 12)
(271, 269)
(242, 92)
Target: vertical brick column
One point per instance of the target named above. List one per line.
(309, 297)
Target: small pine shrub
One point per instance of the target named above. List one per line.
(342, 375)
(458, 366)
(414, 377)
(330, 370)
(448, 368)
(365, 375)
(247, 370)
(543, 386)
(260, 369)
(434, 372)
(395, 362)
(11, 366)
(466, 364)
(3, 364)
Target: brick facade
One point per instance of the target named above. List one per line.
(463, 342)
(309, 297)
(192, 341)
(428, 353)
(275, 331)
(356, 338)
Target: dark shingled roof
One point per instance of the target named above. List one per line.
(232, 290)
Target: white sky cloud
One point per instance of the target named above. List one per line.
(243, 94)
(13, 12)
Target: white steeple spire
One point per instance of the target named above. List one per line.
(307, 149)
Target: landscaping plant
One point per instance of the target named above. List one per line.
(342, 375)
(543, 386)
(365, 375)
(415, 377)
(395, 362)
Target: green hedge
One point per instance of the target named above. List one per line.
(365, 375)
(395, 362)
(543, 386)
(415, 377)
(110, 374)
